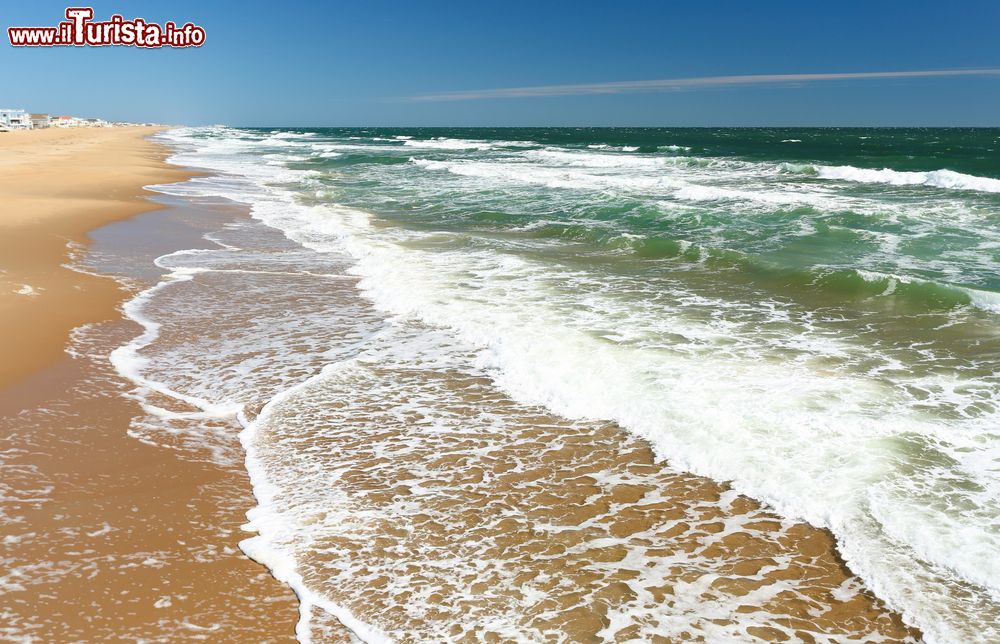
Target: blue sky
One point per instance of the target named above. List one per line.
(361, 62)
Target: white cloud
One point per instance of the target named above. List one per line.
(667, 84)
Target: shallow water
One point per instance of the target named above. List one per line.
(109, 538)
(464, 335)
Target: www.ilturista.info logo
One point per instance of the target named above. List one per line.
(79, 30)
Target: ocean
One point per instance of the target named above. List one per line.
(591, 384)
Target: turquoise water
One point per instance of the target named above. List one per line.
(812, 314)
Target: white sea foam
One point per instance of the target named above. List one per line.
(272, 527)
(715, 193)
(282, 134)
(605, 146)
(550, 177)
(603, 172)
(937, 178)
(444, 143)
(986, 300)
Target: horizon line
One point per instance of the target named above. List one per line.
(667, 84)
(591, 126)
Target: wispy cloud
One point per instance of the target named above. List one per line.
(668, 84)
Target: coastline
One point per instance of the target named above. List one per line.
(143, 497)
(107, 536)
(56, 186)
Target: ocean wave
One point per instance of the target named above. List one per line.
(444, 143)
(947, 179)
(936, 294)
(619, 148)
(282, 134)
(601, 172)
(843, 283)
(552, 177)
(594, 159)
(272, 527)
(708, 193)
(259, 368)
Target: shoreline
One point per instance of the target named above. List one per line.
(190, 478)
(107, 536)
(57, 186)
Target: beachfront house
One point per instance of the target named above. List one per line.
(65, 121)
(39, 121)
(14, 119)
(75, 121)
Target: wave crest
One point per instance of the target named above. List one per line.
(947, 179)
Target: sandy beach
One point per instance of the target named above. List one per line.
(105, 537)
(56, 185)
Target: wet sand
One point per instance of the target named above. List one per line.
(504, 521)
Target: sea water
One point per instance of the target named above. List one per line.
(448, 346)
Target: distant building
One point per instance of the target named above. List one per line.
(22, 120)
(65, 121)
(15, 119)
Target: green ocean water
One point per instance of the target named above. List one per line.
(967, 150)
(812, 314)
(885, 239)
(757, 204)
